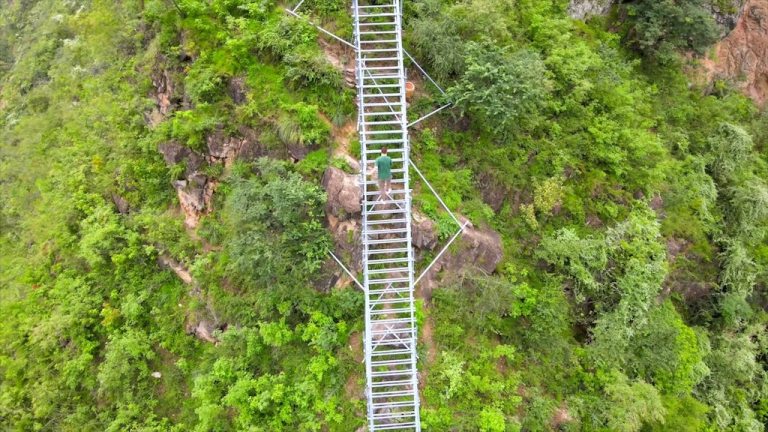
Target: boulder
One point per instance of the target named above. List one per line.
(423, 232)
(203, 330)
(121, 203)
(222, 147)
(583, 9)
(238, 90)
(343, 192)
(478, 249)
(175, 153)
(194, 195)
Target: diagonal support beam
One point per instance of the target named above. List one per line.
(424, 72)
(298, 6)
(338, 261)
(293, 13)
(430, 114)
(429, 267)
(455, 219)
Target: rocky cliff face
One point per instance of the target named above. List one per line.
(727, 17)
(583, 9)
(742, 57)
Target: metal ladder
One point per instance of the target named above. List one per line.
(390, 323)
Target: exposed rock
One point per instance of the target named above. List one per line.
(583, 9)
(342, 58)
(477, 249)
(225, 148)
(657, 203)
(494, 193)
(238, 90)
(728, 17)
(195, 194)
(343, 193)
(122, 205)
(594, 221)
(163, 95)
(675, 247)
(175, 153)
(742, 56)
(203, 330)
(423, 232)
(157, 375)
(561, 417)
(168, 262)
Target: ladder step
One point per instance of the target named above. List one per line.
(375, 77)
(389, 302)
(389, 113)
(378, 32)
(391, 290)
(393, 321)
(383, 132)
(385, 212)
(394, 427)
(373, 41)
(378, 59)
(393, 383)
(388, 271)
(385, 202)
(381, 95)
(387, 251)
(391, 311)
(366, 86)
(394, 181)
(387, 231)
(390, 141)
(386, 221)
(387, 374)
(385, 241)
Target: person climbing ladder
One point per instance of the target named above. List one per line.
(384, 167)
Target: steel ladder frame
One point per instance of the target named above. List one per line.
(390, 324)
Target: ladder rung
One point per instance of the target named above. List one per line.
(385, 241)
(393, 383)
(371, 15)
(387, 251)
(394, 181)
(378, 32)
(386, 374)
(390, 290)
(395, 426)
(391, 311)
(373, 41)
(378, 59)
(381, 95)
(389, 141)
(388, 270)
(393, 321)
(387, 231)
(365, 86)
(384, 202)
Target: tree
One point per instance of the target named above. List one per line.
(504, 91)
(659, 28)
(276, 232)
(631, 404)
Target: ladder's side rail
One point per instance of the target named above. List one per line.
(367, 339)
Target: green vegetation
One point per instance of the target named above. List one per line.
(632, 206)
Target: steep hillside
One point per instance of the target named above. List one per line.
(175, 172)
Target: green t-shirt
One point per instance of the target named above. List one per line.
(384, 165)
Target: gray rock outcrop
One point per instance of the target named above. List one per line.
(343, 192)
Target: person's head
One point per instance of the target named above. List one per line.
(384, 150)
